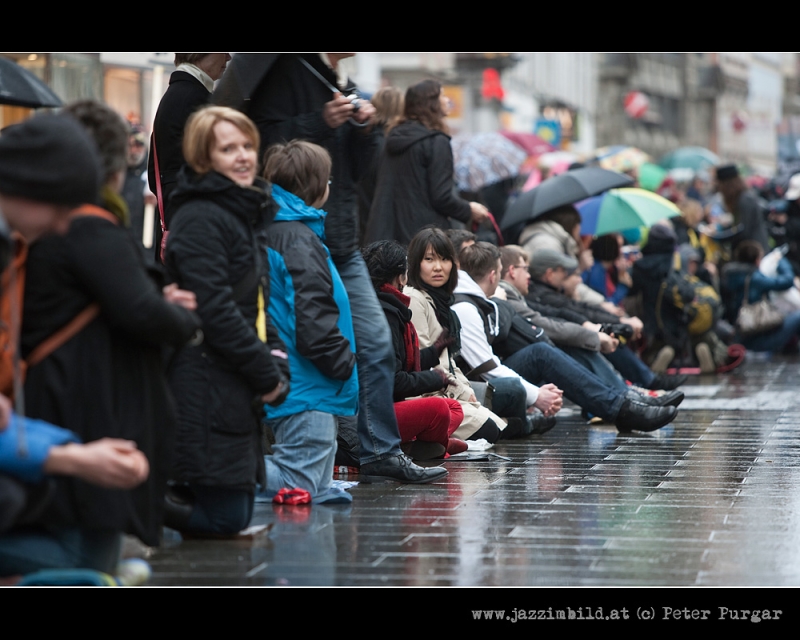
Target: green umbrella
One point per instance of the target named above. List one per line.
(622, 209)
(651, 176)
(694, 158)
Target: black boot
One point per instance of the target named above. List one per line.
(637, 416)
(667, 382)
(668, 399)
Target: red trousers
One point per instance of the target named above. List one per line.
(428, 419)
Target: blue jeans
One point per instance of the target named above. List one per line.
(220, 510)
(775, 340)
(598, 365)
(540, 364)
(631, 366)
(30, 549)
(304, 450)
(378, 434)
(509, 399)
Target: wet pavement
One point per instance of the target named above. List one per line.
(713, 499)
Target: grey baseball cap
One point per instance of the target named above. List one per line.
(544, 259)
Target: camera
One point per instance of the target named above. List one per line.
(355, 100)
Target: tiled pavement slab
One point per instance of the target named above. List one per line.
(711, 500)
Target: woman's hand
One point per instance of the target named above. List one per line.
(181, 297)
(479, 212)
(550, 400)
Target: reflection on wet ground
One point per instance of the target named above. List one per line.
(710, 500)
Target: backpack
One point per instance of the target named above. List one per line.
(12, 295)
(696, 303)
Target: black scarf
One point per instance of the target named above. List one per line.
(445, 315)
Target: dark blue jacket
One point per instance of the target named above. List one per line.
(735, 274)
(309, 305)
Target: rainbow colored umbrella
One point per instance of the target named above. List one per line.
(623, 209)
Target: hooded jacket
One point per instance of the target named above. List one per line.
(415, 185)
(312, 312)
(476, 335)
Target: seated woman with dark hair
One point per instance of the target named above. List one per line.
(425, 424)
(743, 274)
(605, 276)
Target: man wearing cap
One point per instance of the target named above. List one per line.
(539, 363)
(745, 206)
(551, 273)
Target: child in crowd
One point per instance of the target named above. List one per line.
(310, 307)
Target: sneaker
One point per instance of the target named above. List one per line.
(703, 353)
(663, 360)
(400, 468)
(333, 495)
(132, 572)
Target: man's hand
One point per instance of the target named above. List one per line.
(608, 344)
(365, 112)
(549, 401)
(336, 112)
(109, 462)
(181, 297)
(479, 212)
(636, 324)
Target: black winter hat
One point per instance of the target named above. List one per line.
(49, 158)
(727, 171)
(661, 239)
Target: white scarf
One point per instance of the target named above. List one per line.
(198, 73)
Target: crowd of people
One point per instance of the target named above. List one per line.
(312, 301)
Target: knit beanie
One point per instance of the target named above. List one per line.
(49, 158)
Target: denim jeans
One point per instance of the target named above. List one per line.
(631, 366)
(29, 549)
(540, 364)
(598, 365)
(303, 453)
(775, 340)
(220, 510)
(378, 434)
(509, 399)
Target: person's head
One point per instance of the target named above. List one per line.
(49, 164)
(211, 63)
(432, 261)
(552, 267)
(223, 140)
(482, 263)
(387, 263)
(515, 267)
(568, 217)
(691, 212)
(749, 252)
(424, 103)
(729, 183)
(661, 240)
(461, 238)
(137, 146)
(389, 105)
(605, 248)
(301, 168)
(110, 133)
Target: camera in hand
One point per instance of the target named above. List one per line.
(619, 330)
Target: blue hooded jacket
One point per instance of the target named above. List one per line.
(309, 306)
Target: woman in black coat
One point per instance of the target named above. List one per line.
(415, 177)
(190, 87)
(215, 250)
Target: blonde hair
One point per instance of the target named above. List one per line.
(198, 136)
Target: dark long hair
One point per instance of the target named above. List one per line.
(437, 240)
(423, 105)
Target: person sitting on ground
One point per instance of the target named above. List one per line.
(552, 276)
(541, 363)
(743, 274)
(426, 424)
(606, 276)
(432, 277)
(312, 313)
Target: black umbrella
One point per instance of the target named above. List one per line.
(567, 188)
(241, 78)
(21, 88)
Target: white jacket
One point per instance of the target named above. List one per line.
(475, 348)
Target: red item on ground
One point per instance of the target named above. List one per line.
(292, 496)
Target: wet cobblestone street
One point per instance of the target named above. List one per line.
(711, 500)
